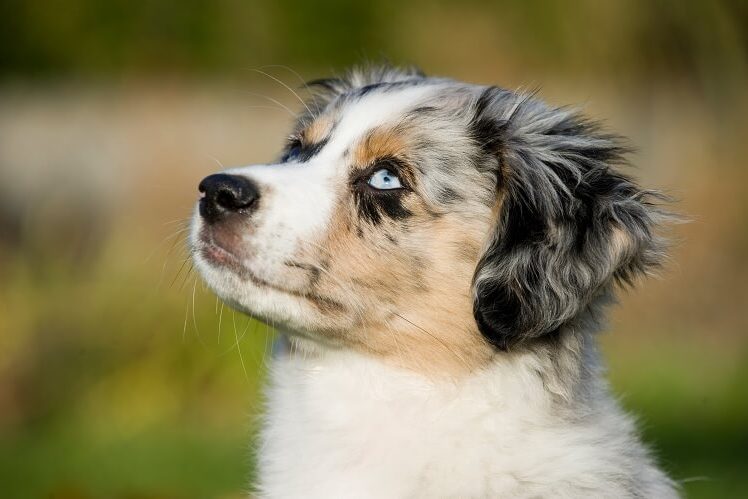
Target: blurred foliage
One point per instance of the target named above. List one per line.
(703, 40)
(120, 376)
(101, 358)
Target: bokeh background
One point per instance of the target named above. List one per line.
(122, 377)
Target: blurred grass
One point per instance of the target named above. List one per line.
(692, 409)
(160, 462)
(118, 386)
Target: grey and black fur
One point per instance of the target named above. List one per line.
(553, 254)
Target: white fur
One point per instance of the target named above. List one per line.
(342, 426)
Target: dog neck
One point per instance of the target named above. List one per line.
(562, 368)
(342, 414)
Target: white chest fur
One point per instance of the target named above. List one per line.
(349, 426)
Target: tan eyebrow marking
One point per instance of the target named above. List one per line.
(379, 143)
(317, 131)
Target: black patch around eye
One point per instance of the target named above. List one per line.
(300, 152)
(374, 205)
(292, 152)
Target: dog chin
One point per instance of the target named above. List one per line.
(231, 282)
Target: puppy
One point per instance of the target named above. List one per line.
(438, 255)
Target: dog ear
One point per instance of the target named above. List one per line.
(569, 225)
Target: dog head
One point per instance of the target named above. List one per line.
(426, 220)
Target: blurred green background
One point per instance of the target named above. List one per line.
(122, 377)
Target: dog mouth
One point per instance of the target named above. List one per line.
(219, 256)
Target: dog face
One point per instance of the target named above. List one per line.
(426, 221)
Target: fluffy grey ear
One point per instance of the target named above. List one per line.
(569, 225)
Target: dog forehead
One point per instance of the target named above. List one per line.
(360, 115)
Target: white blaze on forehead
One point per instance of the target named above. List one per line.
(371, 111)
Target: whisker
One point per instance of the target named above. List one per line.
(166, 264)
(258, 360)
(287, 68)
(239, 349)
(239, 337)
(217, 161)
(179, 272)
(174, 245)
(274, 101)
(194, 317)
(284, 86)
(439, 340)
(265, 349)
(178, 220)
(187, 275)
(276, 108)
(220, 319)
(184, 327)
(170, 236)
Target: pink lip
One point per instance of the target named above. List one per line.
(217, 255)
(220, 256)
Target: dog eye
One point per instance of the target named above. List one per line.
(293, 152)
(384, 180)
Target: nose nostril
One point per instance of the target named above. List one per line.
(224, 194)
(228, 199)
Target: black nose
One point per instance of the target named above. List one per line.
(226, 194)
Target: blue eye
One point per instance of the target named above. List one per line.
(292, 153)
(384, 180)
